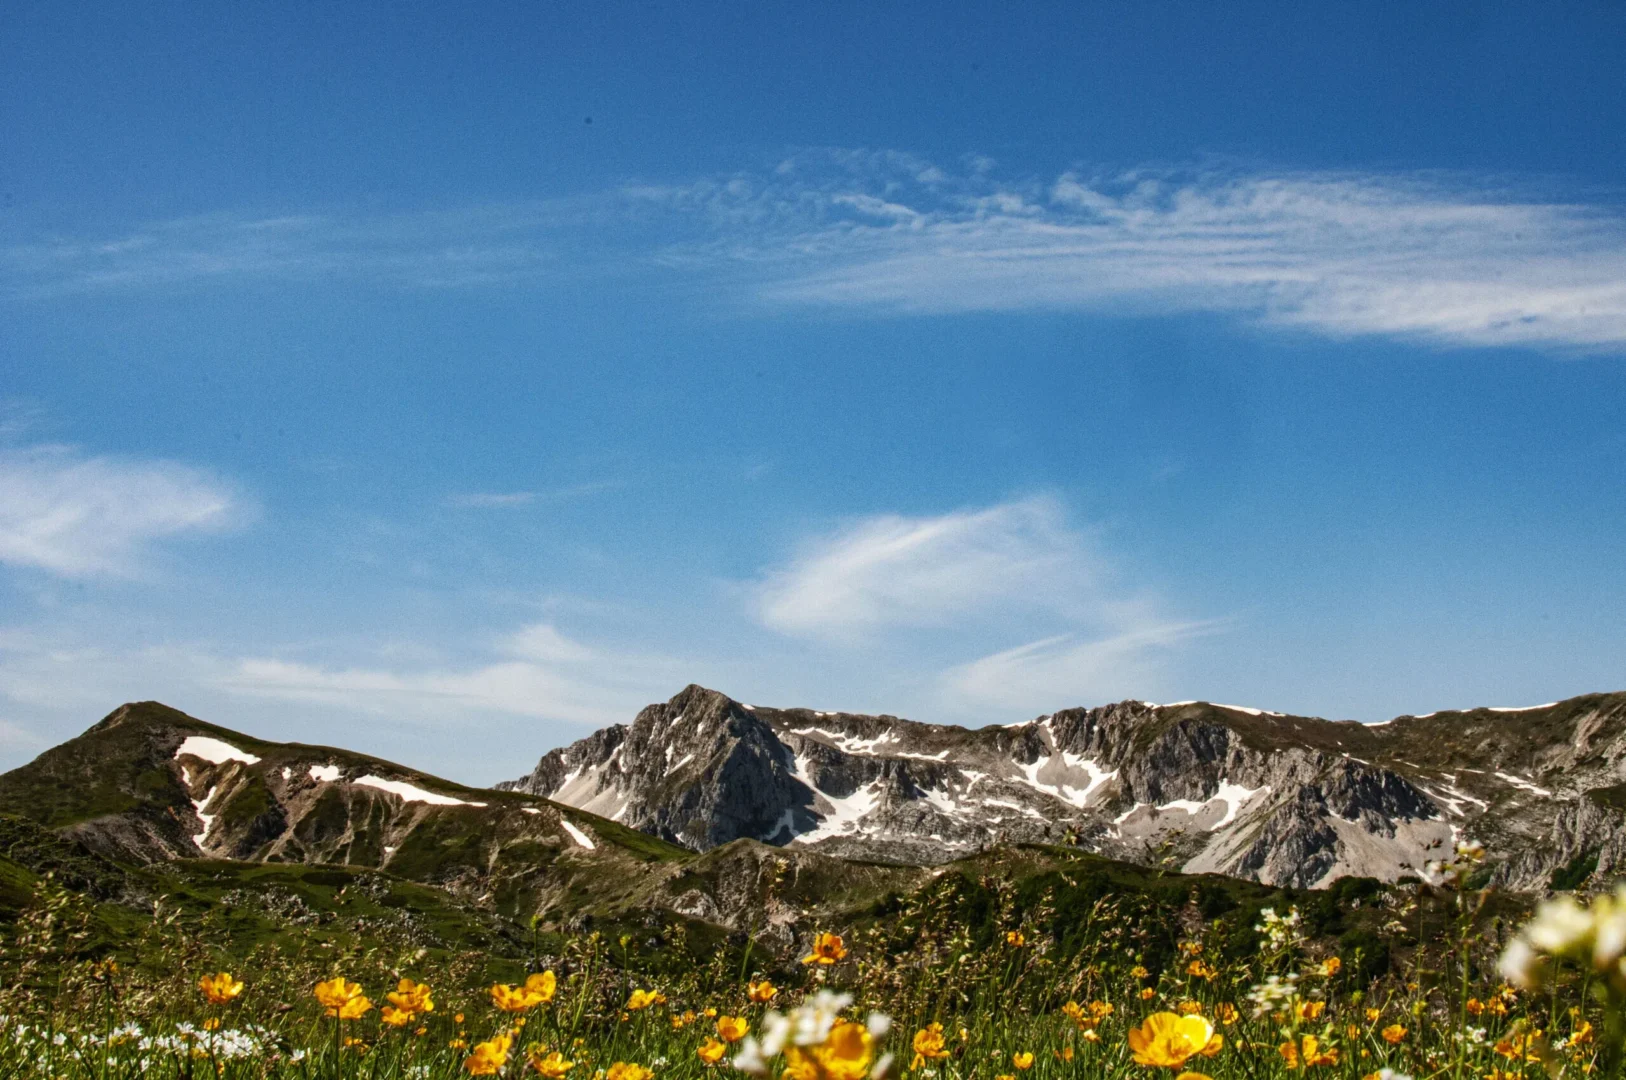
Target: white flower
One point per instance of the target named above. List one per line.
(1521, 965)
(1559, 926)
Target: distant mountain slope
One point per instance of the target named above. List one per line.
(1279, 799)
(150, 784)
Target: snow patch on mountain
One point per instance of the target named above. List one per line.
(213, 751)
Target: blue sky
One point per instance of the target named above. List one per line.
(447, 386)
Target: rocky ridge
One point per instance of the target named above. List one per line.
(1278, 799)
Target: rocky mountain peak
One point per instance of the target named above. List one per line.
(1279, 798)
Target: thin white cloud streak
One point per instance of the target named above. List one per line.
(1340, 255)
(79, 516)
(1017, 569)
(1067, 668)
(1437, 258)
(539, 673)
(891, 571)
(513, 500)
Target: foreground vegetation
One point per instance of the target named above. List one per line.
(1055, 976)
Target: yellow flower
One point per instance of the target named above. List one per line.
(1308, 1053)
(761, 992)
(1191, 1008)
(1090, 1035)
(1193, 1076)
(623, 1070)
(1373, 1014)
(342, 998)
(551, 1065)
(1199, 970)
(1015, 938)
(848, 1053)
(542, 987)
(1147, 993)
(510, 998)
(711, 1051)
(1066, 1053)
(1167, 1039)
(1074, 1012)
(1022, 1060)
(1330, 966)
(1394, 1034)
(1005, 1076)
(1100, 1010)
(219, 989)
(396, 1017)
(827, 949)
(1309, 1010)
(732, 1028)
(928, 1045)
(1519, 1045)
(489, 1057)
(1138, 972)
(643, 999)
(411, 997)
(1225, 1013)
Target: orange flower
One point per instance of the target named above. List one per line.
(623, 1070)
(1373, 1014)
(342, 998)
(1309, 1010)
(396, 1017)
(1330, 966)
(827, 949)
(643, 999)
(1225, 1013)
(1015, 938)
(512, 999)
(1308, 1053)
(1199, 970)
(732, 1028)
(928, 1045)
(1394, 1034)
(542, 987)
(761, 992)
(1147, 993)
(847, 1053)
(551, 1065)
(1168, 1040)
(219, 989)
(411, 997)
(1191, 1008)
(1022, 1060)
(489, 1057)
(711, 1051)
(1519, 1045)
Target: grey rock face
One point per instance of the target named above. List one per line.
(1279, 799)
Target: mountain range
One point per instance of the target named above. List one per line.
(736, 816)
(1283, 800)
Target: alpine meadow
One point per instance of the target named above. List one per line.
(842, 540)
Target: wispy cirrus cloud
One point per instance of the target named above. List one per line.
(76, 515)
(513, 500)
(967, 579)
(1440, 258)
(1041, 673)
(536, 672)
(890, 571)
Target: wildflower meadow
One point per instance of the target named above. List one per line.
(918, 988)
